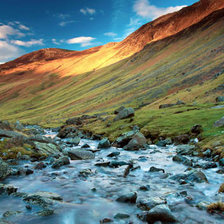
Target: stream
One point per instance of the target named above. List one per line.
(89, 192)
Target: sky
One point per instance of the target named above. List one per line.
(29, 25)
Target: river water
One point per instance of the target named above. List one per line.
(87, 199)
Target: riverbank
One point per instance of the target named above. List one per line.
(90, 181)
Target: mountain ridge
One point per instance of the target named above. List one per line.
(77, 62)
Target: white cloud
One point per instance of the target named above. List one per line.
(88, 11)
(144, 9)
(54, 41)
(84, 41)
(6, 31)
(23, 27)
(27, 43)
(64, 23)
(110, 34)
(8, 51)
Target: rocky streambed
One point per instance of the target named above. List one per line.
(92, 182)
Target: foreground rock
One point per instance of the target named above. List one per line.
(80, 154)
(4, 170)
(60, 162)
(128, 198)
(47, 148)
(160, 213)
(9, 134)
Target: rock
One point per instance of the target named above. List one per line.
(5, 125)
(19, 126)
(104, 144)
(221, 188)
(66, 132)
(80, 154)
(219, 99)
(43, 199)
(116, 164)
(60, 162)
(149, 203)
(182, 159)
(196, 129)
(221, 162)
(185, 149)
(128, 198)
(113, 154)
(10, 134)
(144, 188)
(40, 166)
(47, 148)
(119, 110)
(125, 113)
(121, 216)
(207, 153)
(74, 121)
(46, 212)
(182, 139)
(73, 141)
(85, 173)
(163, 143)
(154, 169)
(219, 123)
(4, 170)
(29, 171)
(138, 141)
(106, 220)
(11, 213)
(161, 213)
(179, 102)
(103, 164)
(191, 177)
(85, 146)
(7, 189)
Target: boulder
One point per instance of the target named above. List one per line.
(9, 134)
(219, 99)
(185, 149)
(182, 139)
(155, 169)
(80, 154)
(121, 216)
(221, 162)
(66, 132)
(124, 139)
(128, 198)
(159, 213)
(60, 162)
(219, 123)
(104, 144)
(74, 121)
(196, 129)
(125, 113)
(138, 141)
(182, 159)
(117, 111)
(47, 148)
(73, 141)
(4, 170)
(163, 143)
(146, 204)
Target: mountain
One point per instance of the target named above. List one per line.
(183, 61)
(72, 63)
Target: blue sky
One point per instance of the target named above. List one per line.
(28, 25)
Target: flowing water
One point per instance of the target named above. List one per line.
(90, 198)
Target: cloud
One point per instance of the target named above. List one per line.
(27, 43)
(84, 41)
(110, 34)
(64, 23)
(8, 51)
(23, 27)
(6, 31)
(88, 11)
(144, 9)
(63, 16)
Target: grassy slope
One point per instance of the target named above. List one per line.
(182, 67)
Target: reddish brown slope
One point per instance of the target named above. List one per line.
(68, 63)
